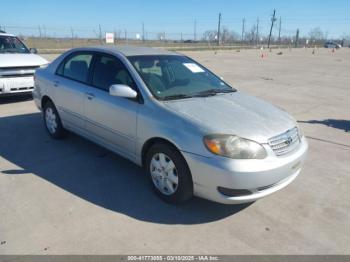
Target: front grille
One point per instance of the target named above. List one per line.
(285, 142)
(17, 71)
(21, 88)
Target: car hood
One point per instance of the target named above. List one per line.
(19, 60)
(236, 114)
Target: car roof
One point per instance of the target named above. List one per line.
(129, 50)
(5, 34)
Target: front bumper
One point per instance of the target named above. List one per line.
(260, 177)
(16, 85)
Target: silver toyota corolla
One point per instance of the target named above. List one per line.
(192, 132)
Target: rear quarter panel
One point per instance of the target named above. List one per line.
(41, 87)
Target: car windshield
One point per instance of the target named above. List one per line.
(172, 77)
(11, 44)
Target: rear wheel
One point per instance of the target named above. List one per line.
(169, 173)
(52, 121)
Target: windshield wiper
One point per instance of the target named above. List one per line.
(174, 97)
(213, 92)
(210, 92)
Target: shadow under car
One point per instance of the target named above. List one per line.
(95, 174)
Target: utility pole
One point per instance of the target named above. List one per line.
(195, 30)
(126, 36)
(273, 19)
(243, 29)
(71, 30)
(279, 31)
(143, 32)
(100, 33)
(219, 25)
(297, 38)
(39, 31)
(257, 31)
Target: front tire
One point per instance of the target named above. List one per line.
(52, 121)
(169, 173)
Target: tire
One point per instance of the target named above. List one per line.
(52, 121)
(169, 174)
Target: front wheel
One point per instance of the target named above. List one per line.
(52, 121)
(169, 173)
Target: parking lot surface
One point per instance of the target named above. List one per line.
(74, 197)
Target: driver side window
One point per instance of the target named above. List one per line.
(108, 71)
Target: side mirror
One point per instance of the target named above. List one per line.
(122, 91)
(33, 50)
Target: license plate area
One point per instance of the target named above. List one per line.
(17, 83)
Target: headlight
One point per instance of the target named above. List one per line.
(44, 66)
(234, 147)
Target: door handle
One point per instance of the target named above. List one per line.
(90, 96)
(56, 83)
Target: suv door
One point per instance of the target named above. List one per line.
(112, 120)
(70, 88)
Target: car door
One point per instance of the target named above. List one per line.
(111, 120)
(70, 88)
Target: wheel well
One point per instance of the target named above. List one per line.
(44, 100)
(152, 142)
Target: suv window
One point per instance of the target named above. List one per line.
(11, 44)
(109, 70)
(76, 67)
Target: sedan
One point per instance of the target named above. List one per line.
(193, 133)
(332, 45)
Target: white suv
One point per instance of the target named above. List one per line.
(17, 65)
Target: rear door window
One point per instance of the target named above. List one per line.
(76, 67)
